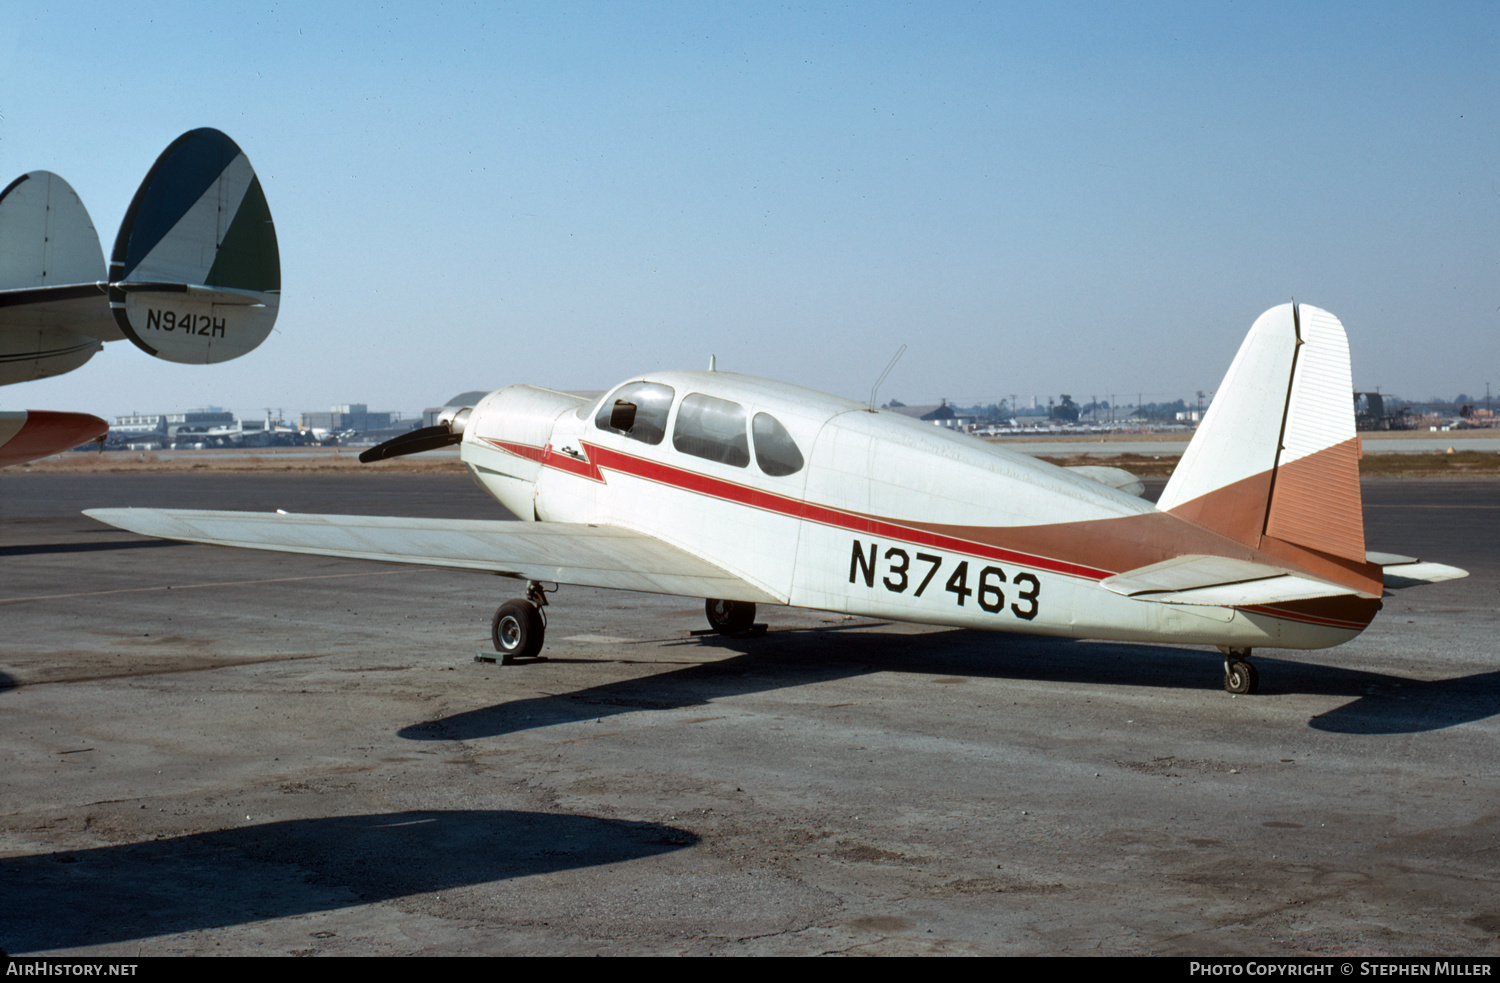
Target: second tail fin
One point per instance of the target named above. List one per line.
(196, 273)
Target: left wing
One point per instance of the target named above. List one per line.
(568, 553)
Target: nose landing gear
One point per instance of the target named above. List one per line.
(729, 617)
(520, 626)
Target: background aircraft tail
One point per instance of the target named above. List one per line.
(196, 275)
(1275, 463)
(46, 235)
(53, 315)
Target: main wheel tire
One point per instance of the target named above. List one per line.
(1240, 677)
(729, 617)
(517, 630)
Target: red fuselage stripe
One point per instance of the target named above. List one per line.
(1311, 619)
(600, 459)
(604, 458)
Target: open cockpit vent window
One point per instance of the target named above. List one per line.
(638, 410)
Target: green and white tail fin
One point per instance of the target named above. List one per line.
(196, 275)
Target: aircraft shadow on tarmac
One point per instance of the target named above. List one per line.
(38, 548)
(1381, 704)
(228, 877)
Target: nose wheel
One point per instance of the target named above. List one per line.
(729, 617)
(520, 626)
(1240, 677)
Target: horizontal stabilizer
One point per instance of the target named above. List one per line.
(590, 556)
(1408, 571)
(1117, 478)
(196, 273)
(1221, 581)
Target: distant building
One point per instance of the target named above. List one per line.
(191, 420)
(941, 415)
(346, 416)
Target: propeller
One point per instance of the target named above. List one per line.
(415, 442)
(448, 431)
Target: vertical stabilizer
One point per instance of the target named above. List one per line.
(196, 272)
(46, 236)
(1275, 463)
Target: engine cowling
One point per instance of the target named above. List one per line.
(505, 437)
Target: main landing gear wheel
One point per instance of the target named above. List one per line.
(517, 630)
(729, 617)
(1240, 677)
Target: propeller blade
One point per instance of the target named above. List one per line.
(415, 442)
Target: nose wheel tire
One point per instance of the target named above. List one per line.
(729, 617)
(1240, 677)
(518, 630)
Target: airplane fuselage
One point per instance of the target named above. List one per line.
(822, 502)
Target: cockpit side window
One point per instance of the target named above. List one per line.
(638, 410)
(713, 429)
(775, 450)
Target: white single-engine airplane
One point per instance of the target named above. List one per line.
(748, 491)
(195, 277)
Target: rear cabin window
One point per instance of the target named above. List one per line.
(775, 450)
(713, 429)
(648, 421)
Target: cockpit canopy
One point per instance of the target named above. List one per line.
(706, 427)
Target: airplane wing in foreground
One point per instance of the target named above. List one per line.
(585, 555)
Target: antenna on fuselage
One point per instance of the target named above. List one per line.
(713, 363)
(894, 359)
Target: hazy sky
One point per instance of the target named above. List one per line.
(1036, 198)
